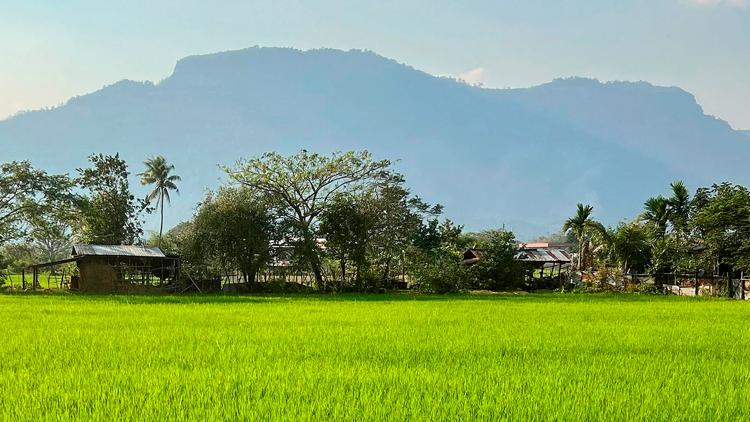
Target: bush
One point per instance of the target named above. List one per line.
(498, 269)
(648, 288)
(441, 272)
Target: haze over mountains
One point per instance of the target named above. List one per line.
(519, 157)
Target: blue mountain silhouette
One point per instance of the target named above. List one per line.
(519, 157)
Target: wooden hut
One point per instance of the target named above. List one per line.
(115, 268)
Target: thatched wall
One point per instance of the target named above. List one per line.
(97, 275)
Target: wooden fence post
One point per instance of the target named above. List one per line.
(742, 285)
(696, 284)
(730, 291)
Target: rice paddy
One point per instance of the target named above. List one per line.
(377, 357)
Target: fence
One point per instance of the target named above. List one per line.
(683, 284)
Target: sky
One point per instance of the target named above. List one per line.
(53, 50)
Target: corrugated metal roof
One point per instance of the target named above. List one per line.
(544, 255)
(540, 245)
(117, 250)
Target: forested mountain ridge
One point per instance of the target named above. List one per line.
(521, 157)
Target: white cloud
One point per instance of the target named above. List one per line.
(474, 76)
(729, 3)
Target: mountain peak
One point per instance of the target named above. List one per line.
(255, 61)
(480, 152)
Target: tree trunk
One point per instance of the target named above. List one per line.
(696, 284)
(387, 271)
(580, 253)
(161, 222)
(342, 262)
(317, 272)
(311, 253)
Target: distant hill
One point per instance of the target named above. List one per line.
(520, 157)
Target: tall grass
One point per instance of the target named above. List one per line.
(535, 357)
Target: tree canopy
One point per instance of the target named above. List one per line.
(109, 214)
(302, 186)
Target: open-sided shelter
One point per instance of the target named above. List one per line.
(115, 268)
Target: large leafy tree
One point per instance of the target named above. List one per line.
(231, 232)
(435, 256)
(158, 174)
(50, 233)
(583, 226)
(722, 220)
(347, 225)
(498, 269)
(110, 213)
(24, 193)
(373, 229)
(397, 216)
(302, 186)
(16, 256)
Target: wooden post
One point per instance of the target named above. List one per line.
(729, 285)
(696, 283)
(742, 285)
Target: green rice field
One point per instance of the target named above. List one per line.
(377, 357)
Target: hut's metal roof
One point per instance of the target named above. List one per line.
(117, 250)
(543, 245)
(544, 255)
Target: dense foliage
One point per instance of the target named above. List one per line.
(351, 223)
(706, 235)
(302, 186)
(231, 231)
(109, 214)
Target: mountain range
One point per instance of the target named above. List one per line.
(516, 157)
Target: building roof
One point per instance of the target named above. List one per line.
(544, 255)
(471, 256)
(537, 245)
(117, 250)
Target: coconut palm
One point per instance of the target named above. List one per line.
(656, 213)
(628, 245)
(158, 173)
(583, 226)
(679, 207)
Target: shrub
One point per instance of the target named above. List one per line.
(441, 272)
(498, 269)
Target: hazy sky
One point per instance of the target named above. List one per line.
(50, 51)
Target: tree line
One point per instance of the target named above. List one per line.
(701, 235)
(42, 214)
(348, 220)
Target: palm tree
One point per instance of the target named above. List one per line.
(679, 207)
(582, 225)
(629, 245)
(657, 213)
(157, 173)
